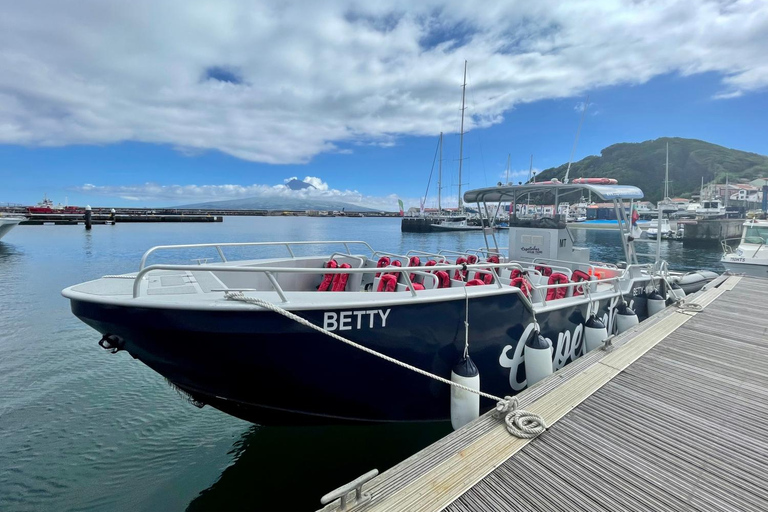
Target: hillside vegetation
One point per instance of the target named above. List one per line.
(642, 164)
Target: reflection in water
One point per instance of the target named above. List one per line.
(291, 468)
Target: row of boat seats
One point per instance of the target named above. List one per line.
(430, 278)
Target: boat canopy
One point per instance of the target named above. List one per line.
(506, 193)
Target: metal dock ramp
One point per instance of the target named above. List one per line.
(675, 418)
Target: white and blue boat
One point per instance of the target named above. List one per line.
(219, 332)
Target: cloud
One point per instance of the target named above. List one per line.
(188, 194)
(281, 82)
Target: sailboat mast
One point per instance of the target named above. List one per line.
(440, 177)
(666, 177)
(461, 136)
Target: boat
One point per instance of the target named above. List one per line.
(46, 207)
(711, 209)
(8, 222)
(259, 338)
(691, 282)
(667, 233)
(460, 221)
(750, 256)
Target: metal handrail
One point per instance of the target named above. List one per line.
(218, 247)
(728, 250)
(269, 271)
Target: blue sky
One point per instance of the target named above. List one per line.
(148, 105)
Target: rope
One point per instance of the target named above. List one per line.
(520, 423)
(683, 306)
(123, 276)
(239, 296)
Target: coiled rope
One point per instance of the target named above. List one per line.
(688, 307)
(518, 421)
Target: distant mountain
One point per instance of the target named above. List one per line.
(278, 203)
(642, 164)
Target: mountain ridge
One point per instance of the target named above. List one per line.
(642, 164)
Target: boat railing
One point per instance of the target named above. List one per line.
(271, 272)
(424, 253)
(754, 240)
(218, 246)
(538, 297)
(379, 254)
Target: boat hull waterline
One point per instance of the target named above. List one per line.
(267, 369)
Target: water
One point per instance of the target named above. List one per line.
(82, 429)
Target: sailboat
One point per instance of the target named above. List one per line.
(460, 221)
(662, 228)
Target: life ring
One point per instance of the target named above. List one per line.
(475, 282)
(557, 293)
(544, 270)
(471, 259)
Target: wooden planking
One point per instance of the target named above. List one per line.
(419, 485)
(680, 429)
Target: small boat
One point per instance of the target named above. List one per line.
(667, 233)
(8, 222)
(750, 257)
(692, 282)
(259, 338)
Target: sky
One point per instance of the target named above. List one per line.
(148, 103)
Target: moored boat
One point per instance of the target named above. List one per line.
(226, 333)
(8, 222)
(751, 255)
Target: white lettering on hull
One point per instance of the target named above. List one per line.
(570, 345)
(349, 320)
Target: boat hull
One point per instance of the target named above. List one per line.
(757, 269)
(267, 369)
(8, 224)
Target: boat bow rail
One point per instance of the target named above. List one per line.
(288, 245)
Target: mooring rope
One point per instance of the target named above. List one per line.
(118, 276)
(519, 422)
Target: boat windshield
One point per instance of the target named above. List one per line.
(756, 234)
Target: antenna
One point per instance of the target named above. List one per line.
(573, 150)
(530, 170)
(506, 180)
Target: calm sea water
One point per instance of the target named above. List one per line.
(82, 429)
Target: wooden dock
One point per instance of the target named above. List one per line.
(675, 417)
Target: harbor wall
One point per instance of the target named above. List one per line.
(711, 230)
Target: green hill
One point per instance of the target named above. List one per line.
(642, 164)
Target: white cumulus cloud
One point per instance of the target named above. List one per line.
(281, 82)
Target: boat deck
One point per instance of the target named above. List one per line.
(674, 418)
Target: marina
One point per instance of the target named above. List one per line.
(654, 429)
(104, 419)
